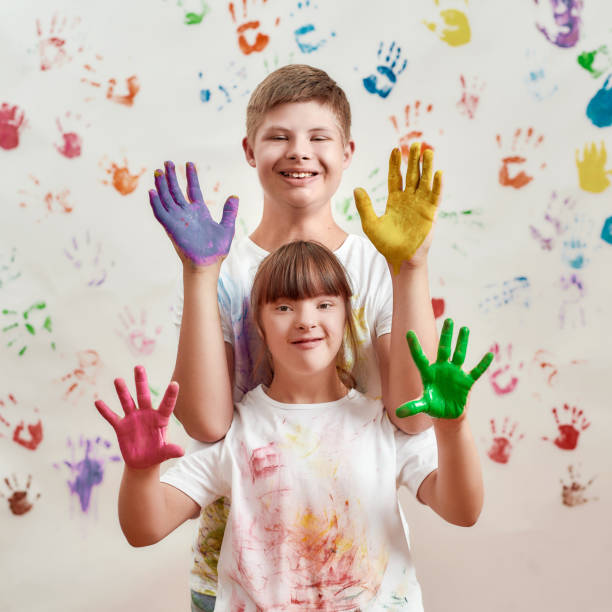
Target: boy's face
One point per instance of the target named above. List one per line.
(300, 154)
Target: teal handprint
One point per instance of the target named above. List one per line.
(445, 385)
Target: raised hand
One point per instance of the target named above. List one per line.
(409, 215)
(142, 431)
(445, 385)
(194, 233)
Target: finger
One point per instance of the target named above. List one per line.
(413, 173)
(425, 181)
(230, 210)
(159, 210)
(175, 190)
(161, 184)
(461, 347)
(413, 407)
(107, 413)
(395, 171)
(124, 396)
(446, 339)
(436, 189)
(194, 193)
(142, 388)
(480, 369)
(171, 451)
(364, 208)
(169, 400)
(418, 356)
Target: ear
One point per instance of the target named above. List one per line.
(248, 152)
(349, 150)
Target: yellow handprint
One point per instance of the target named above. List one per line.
(591, 169)
(410, 211)
(454, 29)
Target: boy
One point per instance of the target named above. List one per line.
(298, 139)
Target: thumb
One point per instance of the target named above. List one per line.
(230, 210)
(413, 407)
(171, 451)
(364, 208)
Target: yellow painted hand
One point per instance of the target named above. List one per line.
(410, 211)
(592, 168)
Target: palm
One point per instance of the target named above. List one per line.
(445, 385)
(405, 226)
(142, 432)
(193, 231)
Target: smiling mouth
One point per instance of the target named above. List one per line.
(299, 175)
(307, 341)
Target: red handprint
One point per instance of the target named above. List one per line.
(19, 501)
(572, 494)
(470, 96)
(34, 435)
(497, 374)
(261, 40)
(501, 446)
(412, 119)
(569, 432)
(11, 121)
(521, 178)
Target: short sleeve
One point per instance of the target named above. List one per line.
(203, 475)
(416, 458)
(383, 298)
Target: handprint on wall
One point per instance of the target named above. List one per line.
(451, 25)
(124, 94)
(390, 66)
(86, 256)
(20, 498)
(12, 121)
(504, 375)
(307, 38)
(516, 291)
(471, 90)
(559, 21)
(72, 143)
(8, 267)
(86, 467)
(234, 85)
(53, 46)
(21, 326)
(573, 493)
(596, 62)
(503, 441)
(570, 424)
(539, 76)
(250, 27)
(554, 223)
(120, 176)
(577, 242)
(516, 170)
(27, 434)
(571, 311)
(56, 201)
(84, 377)
(599, 108)
(415, 114)
(592, 171)
(136, 333)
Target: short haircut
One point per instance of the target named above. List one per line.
(299, 270)
(297, 83)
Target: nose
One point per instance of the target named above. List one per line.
(299, 149)
(305, 319)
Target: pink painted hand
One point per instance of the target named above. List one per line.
(194, 233)
(142, 432)
(410, 212)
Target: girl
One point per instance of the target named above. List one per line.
(311, 465)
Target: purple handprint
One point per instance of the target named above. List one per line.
(189, 224)
(564, 30)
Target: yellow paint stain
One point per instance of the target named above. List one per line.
(592, 173)
(454, 28)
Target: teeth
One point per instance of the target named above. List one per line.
(298, 174)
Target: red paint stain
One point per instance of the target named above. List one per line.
(569, 432)
(122, 180)
(72, 143)
(520, 179)
(264, 462)
(89, 365)
(502, 444)
(11, 121)
(54, 202)
(469, 96)
(573, 494)
(19, 502)
(252, 26)
(438, 306)
(132, 86)
(412, 114)
(35, 435)
(503, 370)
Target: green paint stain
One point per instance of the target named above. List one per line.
(22, 351)
(5, 311)
(192, 18)
(47, 324)
(30, 328)
(37, 306)
(8, 327)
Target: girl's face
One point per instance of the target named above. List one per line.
(304, 336)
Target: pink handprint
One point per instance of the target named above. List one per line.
(72, 143)
(12, 119)
(503, 378)
(502, 444)
(136, 332)
(142, 431)
(470, 96)
(569, 432)
(52, 45)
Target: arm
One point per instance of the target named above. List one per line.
(403, 235)
(455, 489)
(148, 509)
(202, 364)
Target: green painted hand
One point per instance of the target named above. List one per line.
(445, 385)
(410, 211)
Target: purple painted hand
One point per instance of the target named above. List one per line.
(194, 233)
(142, 432)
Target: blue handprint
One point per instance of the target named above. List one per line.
(305, 40)
(606, 231)
(599, 110)
(388, 70)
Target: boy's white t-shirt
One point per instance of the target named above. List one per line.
(372, 308)
(315, 521)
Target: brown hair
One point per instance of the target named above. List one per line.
(299, 270)
(297, 83)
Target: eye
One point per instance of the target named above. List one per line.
(278, 137)
(320, 138)
(326, 305)
(283, 308)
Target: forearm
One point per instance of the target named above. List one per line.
(142, 506)
(205, 405)
(457, 493)
(411, 310)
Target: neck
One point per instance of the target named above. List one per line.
(280, 225)
(291, 388)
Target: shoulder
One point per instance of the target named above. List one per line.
(361, 259)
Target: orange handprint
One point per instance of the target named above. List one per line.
(261, 40)
(521, 140)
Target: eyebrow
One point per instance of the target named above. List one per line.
(286, 129)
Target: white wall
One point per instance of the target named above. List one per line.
(545, 308)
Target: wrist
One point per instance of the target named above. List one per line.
(211, 271)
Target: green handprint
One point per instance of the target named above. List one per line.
(445, 385)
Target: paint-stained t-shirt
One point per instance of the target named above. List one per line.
(314, 520)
